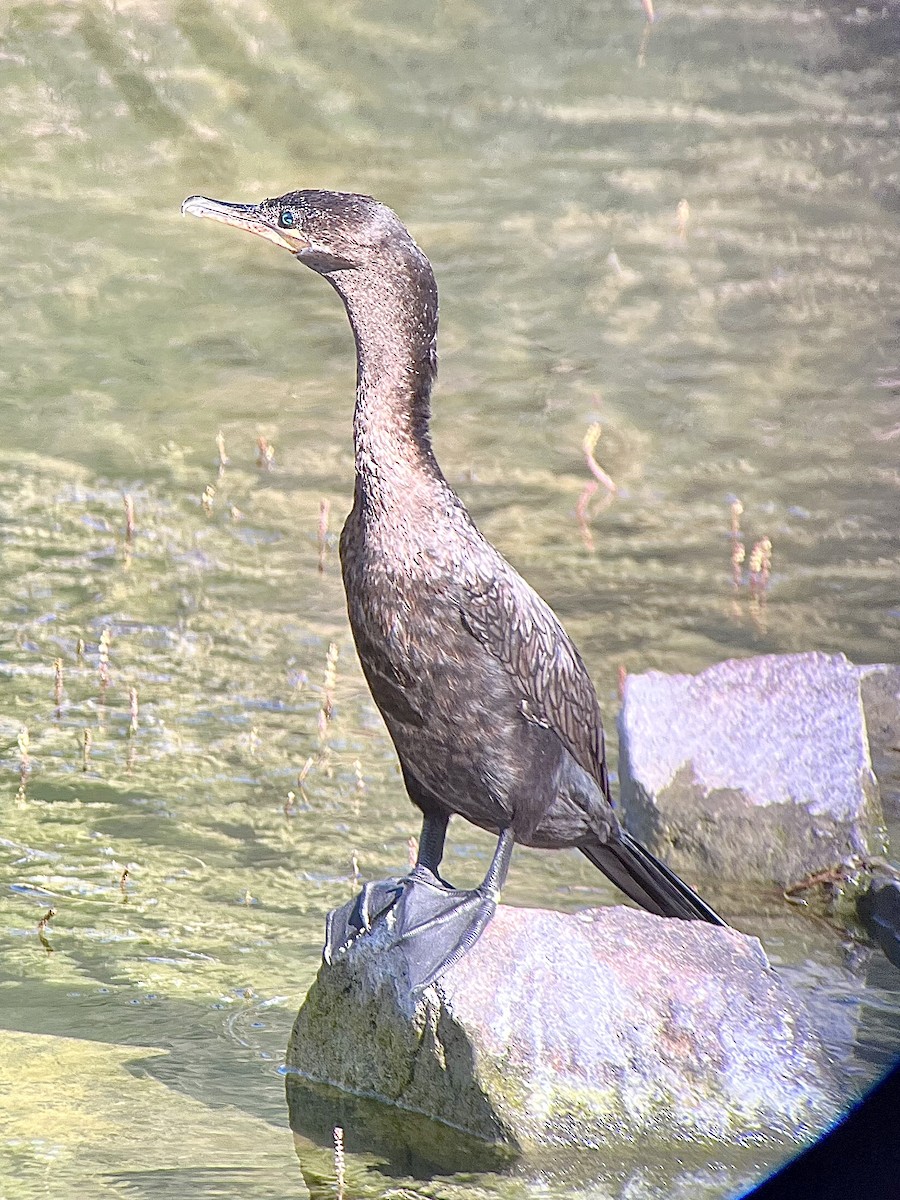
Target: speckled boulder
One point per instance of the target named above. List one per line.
(586, 1029)
(756, 769)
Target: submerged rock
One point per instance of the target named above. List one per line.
(587, 1029)
(756, 769)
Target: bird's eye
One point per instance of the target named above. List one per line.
(287, 218)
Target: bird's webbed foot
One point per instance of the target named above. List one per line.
(433, 924)
(345, 924)
(437, 924)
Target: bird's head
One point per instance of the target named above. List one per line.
(327, 231)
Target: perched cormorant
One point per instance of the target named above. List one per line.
(490, 707)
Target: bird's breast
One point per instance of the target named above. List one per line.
(401, 594)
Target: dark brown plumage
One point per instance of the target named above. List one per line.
(489, 704)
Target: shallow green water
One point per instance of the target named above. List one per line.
(746, 347)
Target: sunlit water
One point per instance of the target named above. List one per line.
(744, 345)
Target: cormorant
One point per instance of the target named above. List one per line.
(490, 707)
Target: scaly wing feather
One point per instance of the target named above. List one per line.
(511, 621)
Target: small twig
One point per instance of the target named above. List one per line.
(103, 652)
(339, 1162)
(760, 565)
(738, 552)
(58, 685)
(836, 873)
(265, 457)
(129, 517)
(737, 558)
(682, 217)
(590, 489)
(42, 929)
(645, 33)
(324, 509)
(123, 881)
(290, 805)
(582, 513)
(327, 710)
(133, 710)
(87, 739)
(208, 499)
(129, 531)
(23, 741)
(829, 875)
(737, 510)
(325, 761)
(589, 445)
(223, 457)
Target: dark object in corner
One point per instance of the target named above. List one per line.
(489, 704)
(858, 1159)
(879, 911)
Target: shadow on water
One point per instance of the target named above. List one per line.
(410, 1144)
(389, 1149)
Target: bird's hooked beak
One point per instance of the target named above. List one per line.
(245, 216)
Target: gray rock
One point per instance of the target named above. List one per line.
(756, 769)
(880, 686)
(584, 1030)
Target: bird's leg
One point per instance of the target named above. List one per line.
(431, 848)
(436, 924)
(343, 925)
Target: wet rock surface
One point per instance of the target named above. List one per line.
(880, 688)
(584, 1030)
(756, 769)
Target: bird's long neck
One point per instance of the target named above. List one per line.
(393, 314)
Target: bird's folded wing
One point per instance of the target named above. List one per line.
(512, 622)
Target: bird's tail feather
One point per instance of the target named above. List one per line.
(647, 881)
